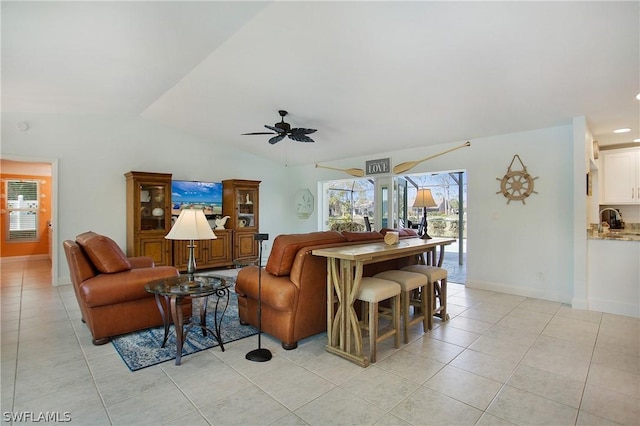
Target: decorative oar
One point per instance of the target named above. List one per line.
(352, 172)
(404, 167)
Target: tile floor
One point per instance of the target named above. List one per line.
(501, 359)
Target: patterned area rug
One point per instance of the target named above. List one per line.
(142, 349)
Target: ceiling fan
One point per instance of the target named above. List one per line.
(283, 129)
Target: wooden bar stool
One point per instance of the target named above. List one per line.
(410, 283)
(373, 291)
(438, 279)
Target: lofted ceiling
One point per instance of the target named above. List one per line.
(370, 76)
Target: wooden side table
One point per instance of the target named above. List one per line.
(176, 289)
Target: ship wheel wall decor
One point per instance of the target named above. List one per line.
(516, 184)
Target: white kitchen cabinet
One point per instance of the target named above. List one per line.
(621, 183)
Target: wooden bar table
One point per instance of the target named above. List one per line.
(344, 274)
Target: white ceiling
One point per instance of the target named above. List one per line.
(370, 76)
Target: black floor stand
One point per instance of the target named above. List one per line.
(261, 354)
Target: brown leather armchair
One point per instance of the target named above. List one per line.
(109, 287)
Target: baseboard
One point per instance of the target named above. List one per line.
(615, 308)
(13, 259)
(532, 292)
(63, 281)
(580, 304)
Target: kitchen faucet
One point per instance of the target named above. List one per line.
(618, 217)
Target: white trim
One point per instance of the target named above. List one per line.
(524, 291)
(54, 207)
(616, 307)
(580, 304)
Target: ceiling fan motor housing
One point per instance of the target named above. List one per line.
(282, 125)
(283, 129)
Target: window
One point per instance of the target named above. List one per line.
(22, 208)
(350, 201)
(445, 186)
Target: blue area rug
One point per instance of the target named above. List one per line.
(142, 348)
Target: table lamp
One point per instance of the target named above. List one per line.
(424, 199)
(191, 225)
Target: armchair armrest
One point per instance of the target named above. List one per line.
(141, 262)
(122, 287)
(277, 292)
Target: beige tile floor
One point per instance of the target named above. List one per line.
(501, 359)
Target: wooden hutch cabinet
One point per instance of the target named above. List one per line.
(149, 216)
(240, 202)
(209, 253)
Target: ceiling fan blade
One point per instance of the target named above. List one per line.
(258, 133)
(275, 129)
(300, 138)
(276, 139)
(303, 131)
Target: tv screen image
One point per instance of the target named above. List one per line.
(195, 194)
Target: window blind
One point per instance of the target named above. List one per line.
(22, 208)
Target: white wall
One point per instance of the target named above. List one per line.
(524, 249)
(530, 246)
(95, 152)
(521, 249)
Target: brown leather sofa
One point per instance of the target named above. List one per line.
(109, 287)
(294, 283)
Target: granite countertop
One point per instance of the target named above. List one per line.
(631, 232)
(620, 235)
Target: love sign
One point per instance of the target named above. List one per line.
(380, 166)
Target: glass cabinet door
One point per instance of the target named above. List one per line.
(153, 215)
(246, 198)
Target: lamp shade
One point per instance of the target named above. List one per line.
(424, 198)
(191, 225)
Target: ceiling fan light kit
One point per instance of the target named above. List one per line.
(282, 129)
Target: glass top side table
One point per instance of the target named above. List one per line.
(176, 289)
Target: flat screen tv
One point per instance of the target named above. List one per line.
(196, 194)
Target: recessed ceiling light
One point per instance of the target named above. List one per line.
(625, 130)
(638, 96)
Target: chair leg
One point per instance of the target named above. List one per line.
(102, 341)
(443, 299)
(440, 299)
(373, 330)
(364, 307)
(435, 296)
(289, 346)
(396, 319)
(428, 301)
(406, 299)
(424, 307)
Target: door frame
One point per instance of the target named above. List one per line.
(54, 206)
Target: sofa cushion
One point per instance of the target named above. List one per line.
(402, 232)
(362, 236)
(285, 247)
(105, 254)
